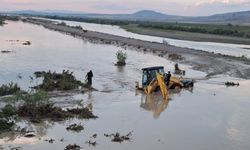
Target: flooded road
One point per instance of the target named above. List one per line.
(210, 116)
(223, 48)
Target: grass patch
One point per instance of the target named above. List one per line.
(5, 125)
(57, 81)
(9, 89)
(5, 118)
(227, 30)
(37, 107)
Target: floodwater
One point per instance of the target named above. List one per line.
(223, 48)
(209, 116)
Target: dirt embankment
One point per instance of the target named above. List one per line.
(209, 62)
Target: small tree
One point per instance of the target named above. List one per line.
(121, 58)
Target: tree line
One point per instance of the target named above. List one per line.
(228, 30)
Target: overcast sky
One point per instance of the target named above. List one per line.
(176, 7)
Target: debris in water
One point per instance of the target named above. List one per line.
(232, 84)
(175, 56)
(83, 113)
(5, 51)
(91, 143)
(75, 127)
(50, 140)
(72, 147)
(29, 134)
(27, 43)
(119, 138)
(107, 135)
(15, 148)
(94, 135)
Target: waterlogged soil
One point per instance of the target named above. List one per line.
(208, 116)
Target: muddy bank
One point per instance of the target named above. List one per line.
(211, 63)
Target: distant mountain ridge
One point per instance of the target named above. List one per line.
(149, 15)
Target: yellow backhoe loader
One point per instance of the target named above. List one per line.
(153, 79)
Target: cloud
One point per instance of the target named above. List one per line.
(210, 7)
(225, 2)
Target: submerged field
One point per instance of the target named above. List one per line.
(209, 116)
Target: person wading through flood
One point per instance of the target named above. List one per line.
(89, 77)
(168, 76)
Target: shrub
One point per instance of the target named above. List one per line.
(36, 99)
(8, 111)
(5, 125)
(57, 81)
(9, 89)
(121, 57)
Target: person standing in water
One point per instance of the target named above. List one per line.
(168, 76)
(89, 77)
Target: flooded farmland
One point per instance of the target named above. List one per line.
(209, 116)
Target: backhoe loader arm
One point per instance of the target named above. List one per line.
(158, 82)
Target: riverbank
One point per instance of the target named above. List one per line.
(180, 35)
(211, 63)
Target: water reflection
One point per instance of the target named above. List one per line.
(154, 103)
(120, 69)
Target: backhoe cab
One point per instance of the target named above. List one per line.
(150, 73)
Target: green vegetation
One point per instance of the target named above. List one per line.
(57, 81)
(90, 20)
(3, 18)
(36, 99)
(182, 35)
(1, 21)
(8, 111)
(5, 125)
(227, 30)
(227, 33)
(121, 58)
(36, 106)
(5, 117)
(9, 89)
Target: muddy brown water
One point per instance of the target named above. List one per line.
(210, 116)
